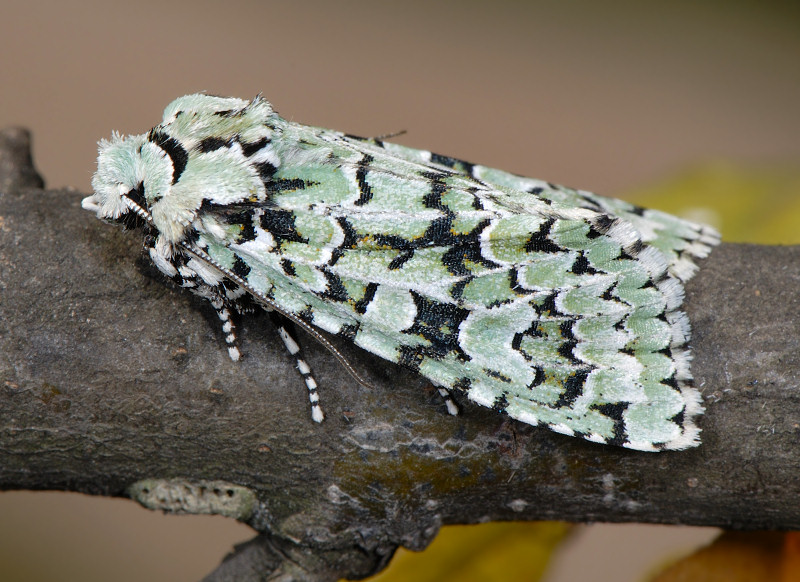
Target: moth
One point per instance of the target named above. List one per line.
(555, 306)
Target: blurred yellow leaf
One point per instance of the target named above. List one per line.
(790, 564)
(497, 551)
(744, 204)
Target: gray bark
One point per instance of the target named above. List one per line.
(112, 383)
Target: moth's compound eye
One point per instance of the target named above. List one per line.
(136, 195)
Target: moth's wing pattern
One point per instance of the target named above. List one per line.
(555, 312)
(682, 241)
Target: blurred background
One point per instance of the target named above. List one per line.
(688, 106)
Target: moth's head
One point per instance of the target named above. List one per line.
(206, 150)
(131, 171)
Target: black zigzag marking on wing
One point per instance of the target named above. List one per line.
(239, 215)
(569, 343)
(438, 323)
(454, 163)
(240, 268)
(364, 189)
(433, 199)
(589, 202)
(392, 241)
(462, 247)
(280, 223)
(547, 307)
(288, 267)
(350, 240)
(538, 378)
(600, 225)
(410, 357)
(615, 412)
(581, 266)
(457, 289)
(400, 260)
(498, 375)
(285, 184)
(335, 290)
(573, 389)
(369, 294)
(540, 241)
(516, 342)
(680, 417)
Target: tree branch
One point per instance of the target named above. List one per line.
(113, 384)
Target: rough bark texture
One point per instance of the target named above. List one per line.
(111, 383)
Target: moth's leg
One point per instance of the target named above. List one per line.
(287, 332)
(452, 407)
(228, 328)
(177, 266)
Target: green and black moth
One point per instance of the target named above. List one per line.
(556, 306)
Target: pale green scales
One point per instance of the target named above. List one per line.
(557, 306)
